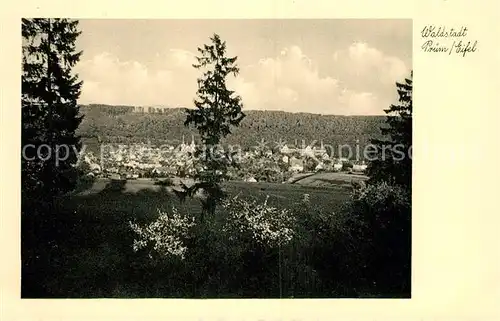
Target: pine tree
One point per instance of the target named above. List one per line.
(50, 114)
(217, 110)
(393, 163)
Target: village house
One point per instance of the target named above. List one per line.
(337, 167)
(296, 164)
(359, 167)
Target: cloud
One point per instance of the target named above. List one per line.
(360, 80)
(364, 68)
(179, 58)
(288, 82)
(108, 80)
(361, 83)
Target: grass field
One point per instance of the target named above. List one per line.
(329, 180)
(329, 193)
(88, 252)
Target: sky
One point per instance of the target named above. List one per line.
(342, 67)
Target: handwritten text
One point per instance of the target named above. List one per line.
(443, 39)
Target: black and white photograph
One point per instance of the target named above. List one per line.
(217, 158)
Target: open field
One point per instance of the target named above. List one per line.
(325, 190)
(330, 180)
(302, 183)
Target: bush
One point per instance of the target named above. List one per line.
(380, 233)
(238, 253)
(261, 223)
(324, 242)
(363, 248)
(164, 235)
(310, 164)
(347, 166)
(252, 249)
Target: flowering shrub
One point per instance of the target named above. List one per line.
(265, 224)
(164, 235)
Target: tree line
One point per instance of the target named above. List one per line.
(119, 124)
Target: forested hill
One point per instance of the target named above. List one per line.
(113, 124)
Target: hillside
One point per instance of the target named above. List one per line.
(119, 124)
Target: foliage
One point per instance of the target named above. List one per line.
(94, 255)
(347, 166)
(50, 114)
(164, 235)
(377, 220)
(168, 128)
(394, 159)
(265, 225)
(381, 234)
(310, 164)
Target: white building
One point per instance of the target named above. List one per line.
(308, 152)
(319, 167)
(286, 150)
(359, 168)
(296, 165)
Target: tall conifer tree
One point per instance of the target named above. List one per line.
(50, 114)
(217, 110)
(393, 162)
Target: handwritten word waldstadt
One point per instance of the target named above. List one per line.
(441, 32)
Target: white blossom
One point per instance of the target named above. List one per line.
(267, 225)
(164, 234)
